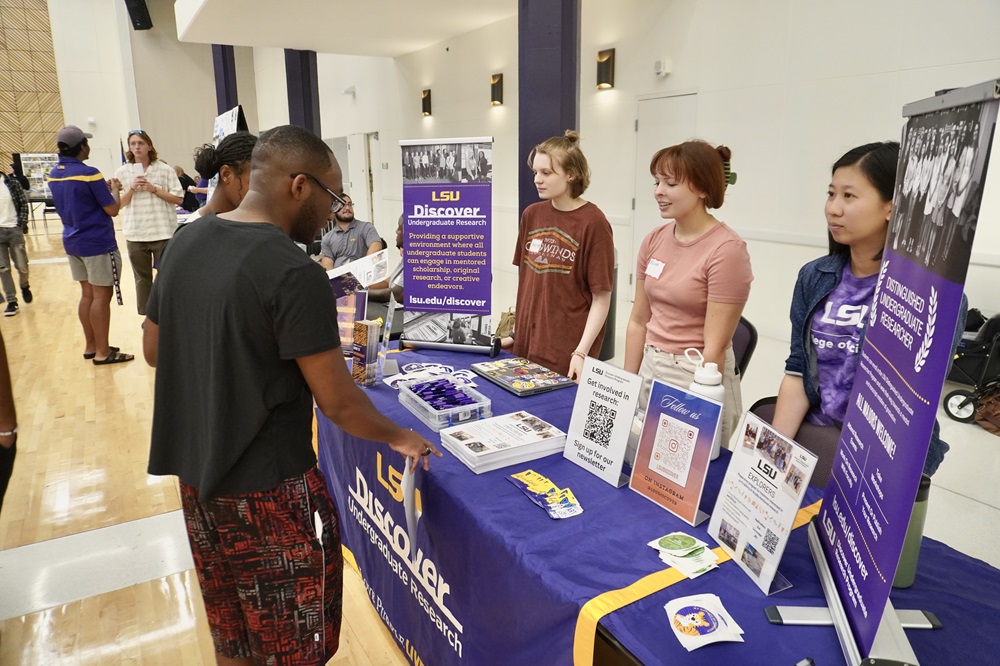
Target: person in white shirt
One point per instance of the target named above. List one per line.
(151, 193)
(13, 219)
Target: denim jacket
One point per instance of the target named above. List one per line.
(815, 282)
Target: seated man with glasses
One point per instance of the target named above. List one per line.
(349, 239)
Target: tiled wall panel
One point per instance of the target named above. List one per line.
(30, 107)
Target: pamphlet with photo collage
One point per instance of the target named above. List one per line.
(760, 497)
(503, 440)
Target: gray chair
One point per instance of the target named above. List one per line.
(821, 440)
(744, 343)
(607, 350)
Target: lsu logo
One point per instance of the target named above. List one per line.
(767, 470)
(831, 535)
(446, 195)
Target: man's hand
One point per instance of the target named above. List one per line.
(414, 448)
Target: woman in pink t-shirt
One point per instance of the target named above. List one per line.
(693, 278)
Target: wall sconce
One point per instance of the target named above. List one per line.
(496, 89)
(425, 102)
(606, 69)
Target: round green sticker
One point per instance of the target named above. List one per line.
(677, 542)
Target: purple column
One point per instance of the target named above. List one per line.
(303, 89)
(225, 77)
(548, 76)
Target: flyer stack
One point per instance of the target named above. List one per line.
(501, 441)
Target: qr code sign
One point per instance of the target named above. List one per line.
(600, 421)
(673, 448)
(770, 542)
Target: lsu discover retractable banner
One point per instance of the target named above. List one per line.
(447, 210)
(910, 330)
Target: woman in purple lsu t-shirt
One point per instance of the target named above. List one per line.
(833, 294)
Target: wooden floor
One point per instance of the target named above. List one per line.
(82, 452)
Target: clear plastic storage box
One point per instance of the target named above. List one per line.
(436, 419)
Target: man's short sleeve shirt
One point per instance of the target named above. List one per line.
(80, 193)
(345, 246)
(236, 303)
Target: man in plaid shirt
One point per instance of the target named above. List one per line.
(13, 221)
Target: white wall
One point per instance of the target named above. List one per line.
(175, 88)
(789, 86)
(246, 86)
(95, 74)
(126, 79)
(388, 101)
(271, 87)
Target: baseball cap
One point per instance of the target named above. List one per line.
(72, 136)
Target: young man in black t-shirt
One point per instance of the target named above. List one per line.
(241, 326)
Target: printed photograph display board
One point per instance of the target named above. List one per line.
(759, 499)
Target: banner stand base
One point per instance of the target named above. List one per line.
(492, 349)
(891, 648)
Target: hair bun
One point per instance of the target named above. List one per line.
(724, 153)
(572, 136)
(206, 161)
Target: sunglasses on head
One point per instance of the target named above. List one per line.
(131, 132)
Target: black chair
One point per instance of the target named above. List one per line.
(821, 440)
(744, 343)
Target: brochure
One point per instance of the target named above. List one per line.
(760, 496)
(367, 270)
(521, 376)
(500, 441)
(365, 352)
(557, 502)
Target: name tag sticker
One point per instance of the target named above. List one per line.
(654, 268)
(536, 245)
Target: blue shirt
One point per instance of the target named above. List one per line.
(80, 195)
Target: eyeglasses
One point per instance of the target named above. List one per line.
(131, 132)
(338, 202)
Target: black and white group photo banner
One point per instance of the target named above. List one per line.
(905, 355)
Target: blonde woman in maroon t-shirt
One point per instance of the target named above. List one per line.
(565, 260)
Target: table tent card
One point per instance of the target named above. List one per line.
(387, 366)
(674, 450)
(602, 416)
(760, 496)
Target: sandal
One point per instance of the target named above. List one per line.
(115, 357)
(90, 355)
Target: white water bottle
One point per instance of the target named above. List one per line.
(708, 382)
